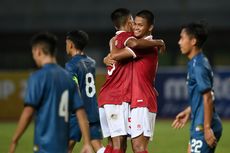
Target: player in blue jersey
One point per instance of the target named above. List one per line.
(82, 69)
(50, 96)
(206, 127)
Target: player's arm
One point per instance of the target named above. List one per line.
(208, 112)
(84, 126)
(124, 53)
(143, 43)
(118, 54)
(23, 123)
(182, 118)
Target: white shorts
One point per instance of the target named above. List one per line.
(142, 121)
(114, 119)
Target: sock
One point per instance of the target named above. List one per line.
(143, 152)
(117, 151)
(101, 150)
(108, 149)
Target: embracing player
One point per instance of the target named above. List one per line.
(144, 95)
(116, 93)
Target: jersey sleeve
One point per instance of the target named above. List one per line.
(122, 38)
(34, 91)
(203, 79)
(77, 101)
(72, 72)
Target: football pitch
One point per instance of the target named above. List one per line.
(166, 139)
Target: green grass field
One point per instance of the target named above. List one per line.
(166, 140)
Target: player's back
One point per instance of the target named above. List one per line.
(51, 99)
(144, 72)
(83, 70)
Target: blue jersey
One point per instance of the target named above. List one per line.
(200, 80)
(52, 93)
(82, 69)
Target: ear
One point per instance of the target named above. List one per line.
(39, 51)
(194, 41)
(151, 28)
(71, 44)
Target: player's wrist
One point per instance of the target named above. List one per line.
(207, 127)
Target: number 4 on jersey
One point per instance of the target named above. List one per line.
(64, 105)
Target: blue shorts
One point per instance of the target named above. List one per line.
(75, 132)
(199, 145)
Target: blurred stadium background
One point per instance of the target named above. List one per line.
(19, 20)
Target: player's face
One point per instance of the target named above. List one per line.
(141, 27)
(186, 43)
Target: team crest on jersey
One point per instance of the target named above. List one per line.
(139, 127)
(199, 128)
(36, 148)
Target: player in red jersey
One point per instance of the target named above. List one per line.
(144, 95)
(115, 94)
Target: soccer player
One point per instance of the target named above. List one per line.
(50, 96)
(116, 92)
(82, 69)
(206, 126)
(144, 95)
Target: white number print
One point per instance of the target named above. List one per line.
(90, 85)
(110, 72)
(196, 146)
(64, 105)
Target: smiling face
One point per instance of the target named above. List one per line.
(186, 42)
(141, 27)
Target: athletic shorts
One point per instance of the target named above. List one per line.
(199, 145)
(75, 131)
(114, 119)
(142, 122)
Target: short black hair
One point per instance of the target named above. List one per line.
(79, 38)
(48, 42)
(148, 15)
(198, 30)
(120, 16)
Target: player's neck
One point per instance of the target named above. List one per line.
(124, 28)
(48, 60)
(77, 52)
(194, 52)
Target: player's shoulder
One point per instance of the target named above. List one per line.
(70, 65)
(201, 61)
(92, 60)
(124, 34)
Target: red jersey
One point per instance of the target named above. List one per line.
(144, 72)
(117, 87)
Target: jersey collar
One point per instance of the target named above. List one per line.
(149, 37)
(119, 32)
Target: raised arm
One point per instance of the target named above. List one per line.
(119, 54)
(144, 43)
